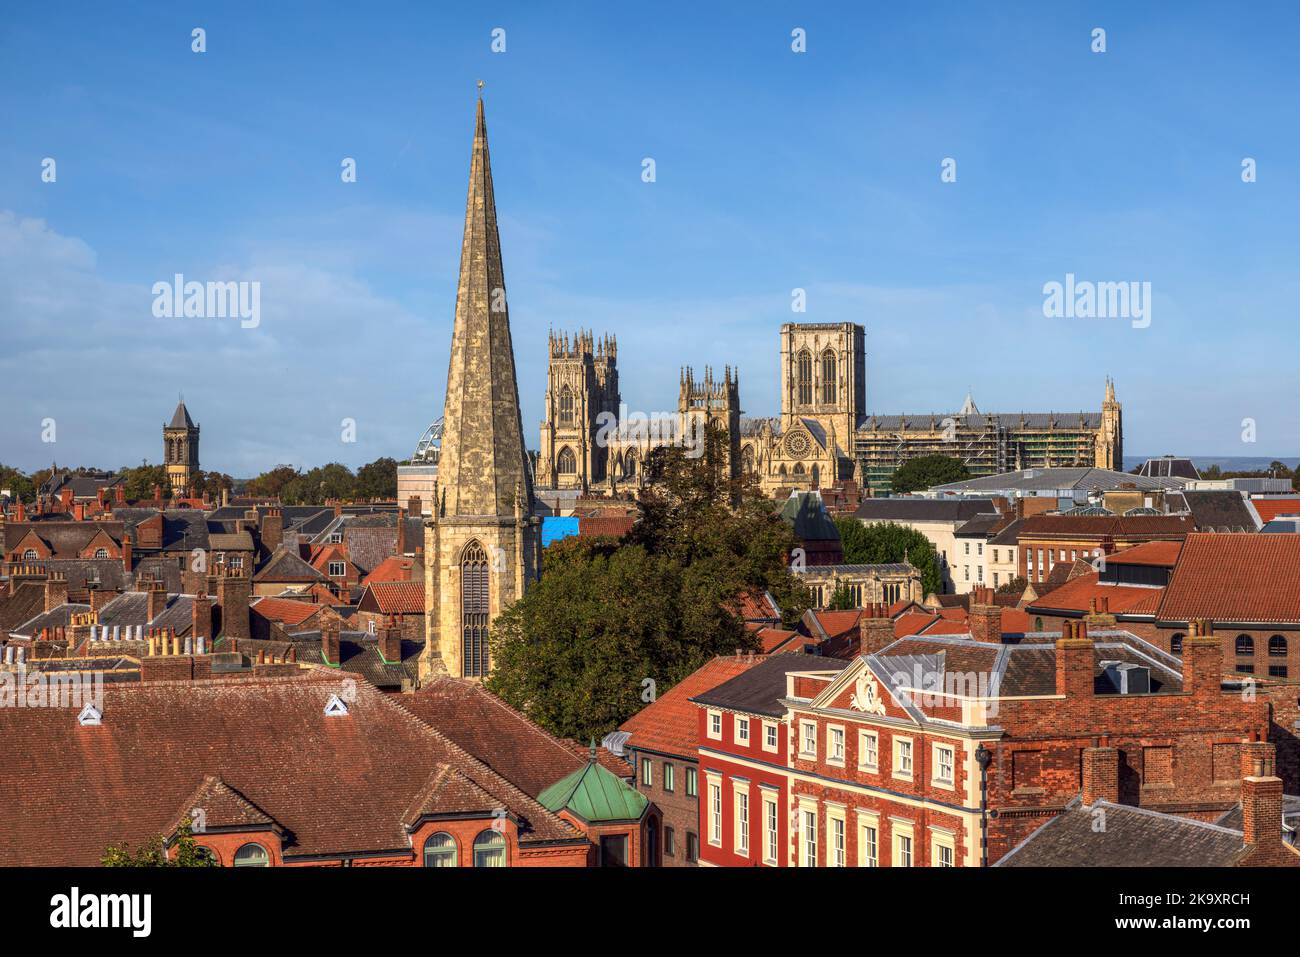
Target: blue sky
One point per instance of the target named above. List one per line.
(775, 170)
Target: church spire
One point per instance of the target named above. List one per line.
(483, 461)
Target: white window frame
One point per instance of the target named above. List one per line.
(868, 840)
(949, 782)
(713, 719)
(713, 808)
(873, 739)
(740, 819)
(899, 751)
(807, 829)
(835, 732)
(837, 837)
(670, 778)
(904, 840)
(771, 828)
(742, 729)
(342, 569)
(648, 772)
(805, 738)
(769, 731)
(941, 841)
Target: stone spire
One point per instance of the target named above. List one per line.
(483, 463)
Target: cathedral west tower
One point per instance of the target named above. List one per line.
(482, 543)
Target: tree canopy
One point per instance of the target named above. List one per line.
(153, 852)
(612, 623)
(886, 542)
(925, 471)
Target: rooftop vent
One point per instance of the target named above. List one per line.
(1127, 677)
(335, 708)
(90, 717)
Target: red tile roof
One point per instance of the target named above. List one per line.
(394, 568)
(1076, 595)
(1271, 508)
(754, 606)
(616, 526)
(668, 725)
(1235, 577)
(774, 639)
(398, 598)
(485, 726)
(338, 785)
(285, 610)
(1162, 554)
(838, 624)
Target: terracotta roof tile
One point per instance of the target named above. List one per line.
(1161, 554)
(398, 598)
(287, 611)
(1238, 577)
(1076, 595)
(668, 725)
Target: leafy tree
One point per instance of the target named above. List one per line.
(378, 479)
(926, 471)
(139, 482)
(1015, 586)
(18, 484)
(886, 542)
(271, 484)
(153, 853)
(842, 600)
(212, 484)
(576, 651)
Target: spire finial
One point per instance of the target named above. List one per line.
(480, 89)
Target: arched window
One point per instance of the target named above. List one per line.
(828, 376)
(629, 464)
(252, 855)
(490, 849)
(440, 851)
(207, 854)
(566, 406)
(1245, 645)
(101, 553)
(1038, 624)
(804, 377)
(29, 555)
(781, 470)
(566, 463)
(474, 611)
(1277, 646)
(1176, 644)
(798, 468)
(747, 460)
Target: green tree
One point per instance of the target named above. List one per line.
(611, 622)
(153, 852)
(139, 482)
(18, 484)
(886, 542)
(1015, 586)
(842, 599)
(271, 484)
(926, 471)
(377, 479)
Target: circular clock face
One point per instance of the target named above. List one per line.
(797, 445)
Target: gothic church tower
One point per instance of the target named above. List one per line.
(181, 450)
(482, 544)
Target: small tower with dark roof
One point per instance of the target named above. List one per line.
(181, 450)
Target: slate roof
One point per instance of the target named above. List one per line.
(1235, 577)
(1168, 466)
(336, 785)
(669, 724)
(1107, 526)
(1048, 480)
(285, 566)
(922, 509)
(27, 601)
(1215, 511)
(760, 689)
(1132, 837)
(181, 418)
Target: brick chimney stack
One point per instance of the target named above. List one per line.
(401, 532)
(20, 512)
(157, 593)
(985, 617)
(1202, 658)
(1261, 804)
(390, 641)
(99, 597)
(201, 612)
(126, 553)
(78, 512)
(1074, 660)
(65, 500)
(56, 591)
(414, 506)
(272, 529)
(1100, 774)
(875, 629)
(119, 493)
(233, 595)
(329, 641)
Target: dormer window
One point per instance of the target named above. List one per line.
(338, 569)
(336, 538)
(252, 855)
(101, 553)
(29, 555)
